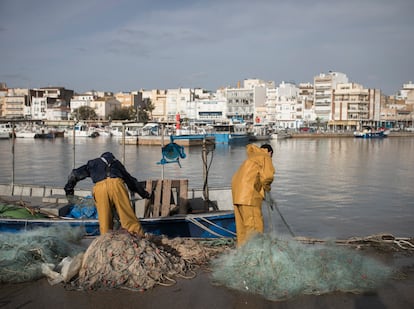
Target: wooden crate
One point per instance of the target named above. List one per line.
(170, 196)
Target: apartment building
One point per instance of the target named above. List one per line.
(128, 99)
(323, 86)
(158, 98)
(15, 103)
(244, 102)
(305, 100)
(211, 109)
(287, 115)
(104, 106)
(354, 107)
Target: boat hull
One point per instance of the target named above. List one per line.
(370, 134)
(206, 225)
(228, 138)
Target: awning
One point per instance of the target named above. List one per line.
(342, 123)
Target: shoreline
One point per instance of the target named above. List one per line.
(345, 135)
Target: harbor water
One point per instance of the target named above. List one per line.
(323, 187)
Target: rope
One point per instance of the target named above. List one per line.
(272, 203)
(401, 242)
(218, 226)
(203, 227)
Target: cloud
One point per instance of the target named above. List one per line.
(164, 44)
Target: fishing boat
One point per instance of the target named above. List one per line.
(259, 132)
(229, 133)
(4, 135)
(25, 207)
(281, 135)
(174, 210)
(82, 130)
(25, 133)
(5, 130)
(370, 133)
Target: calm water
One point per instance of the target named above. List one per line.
(323, 187)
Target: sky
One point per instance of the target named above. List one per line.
(128, 45)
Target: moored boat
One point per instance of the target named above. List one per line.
(229, 133)
(49, 207)
(82, 130)
(369, 133)
(259, 132)
(24, 133)
(281, 135)
(5, 130)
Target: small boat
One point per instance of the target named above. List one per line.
(259, 132)
(49, 134)
(207, 225)
(82, 130)
(24, 133)
(54, 210)
(5, 130)
(281, 135)
(4, 135)
(369, 133)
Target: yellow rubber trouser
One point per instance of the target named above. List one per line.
(249, 220)
(113, 192)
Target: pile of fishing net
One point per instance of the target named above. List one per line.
(120, 260)
(27, 256)
(279, 269)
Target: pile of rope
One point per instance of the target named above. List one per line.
(23, 255)
(120, 260)
(280, 269)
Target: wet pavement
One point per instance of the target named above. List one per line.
(199, 292)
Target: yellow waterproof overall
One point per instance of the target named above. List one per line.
(112, 192)
(249, 184)
(249, 220)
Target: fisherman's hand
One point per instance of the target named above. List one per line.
(147, 196)
(69, 192)
(71, 198)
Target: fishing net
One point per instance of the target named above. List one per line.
(283, 268)
(23, 255)
(120, 260)
(9, 210)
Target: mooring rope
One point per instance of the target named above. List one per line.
(205, 228)
(218, 226)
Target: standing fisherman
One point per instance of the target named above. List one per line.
(249, 184)
(111, 180)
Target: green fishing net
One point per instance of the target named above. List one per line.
(22, 254)
(279, 269)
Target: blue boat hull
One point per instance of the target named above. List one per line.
(206, 225)
(228, 138)
(375, 134)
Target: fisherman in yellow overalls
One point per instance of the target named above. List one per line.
(111, 180)
(249, 184)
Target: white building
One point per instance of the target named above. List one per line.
(38, 108)
(102, 106)
(323, 85)
(286, 106)
(214, 109)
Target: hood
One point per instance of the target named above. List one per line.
(253, 150)
(108, 156)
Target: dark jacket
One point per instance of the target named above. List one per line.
(106, 166)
